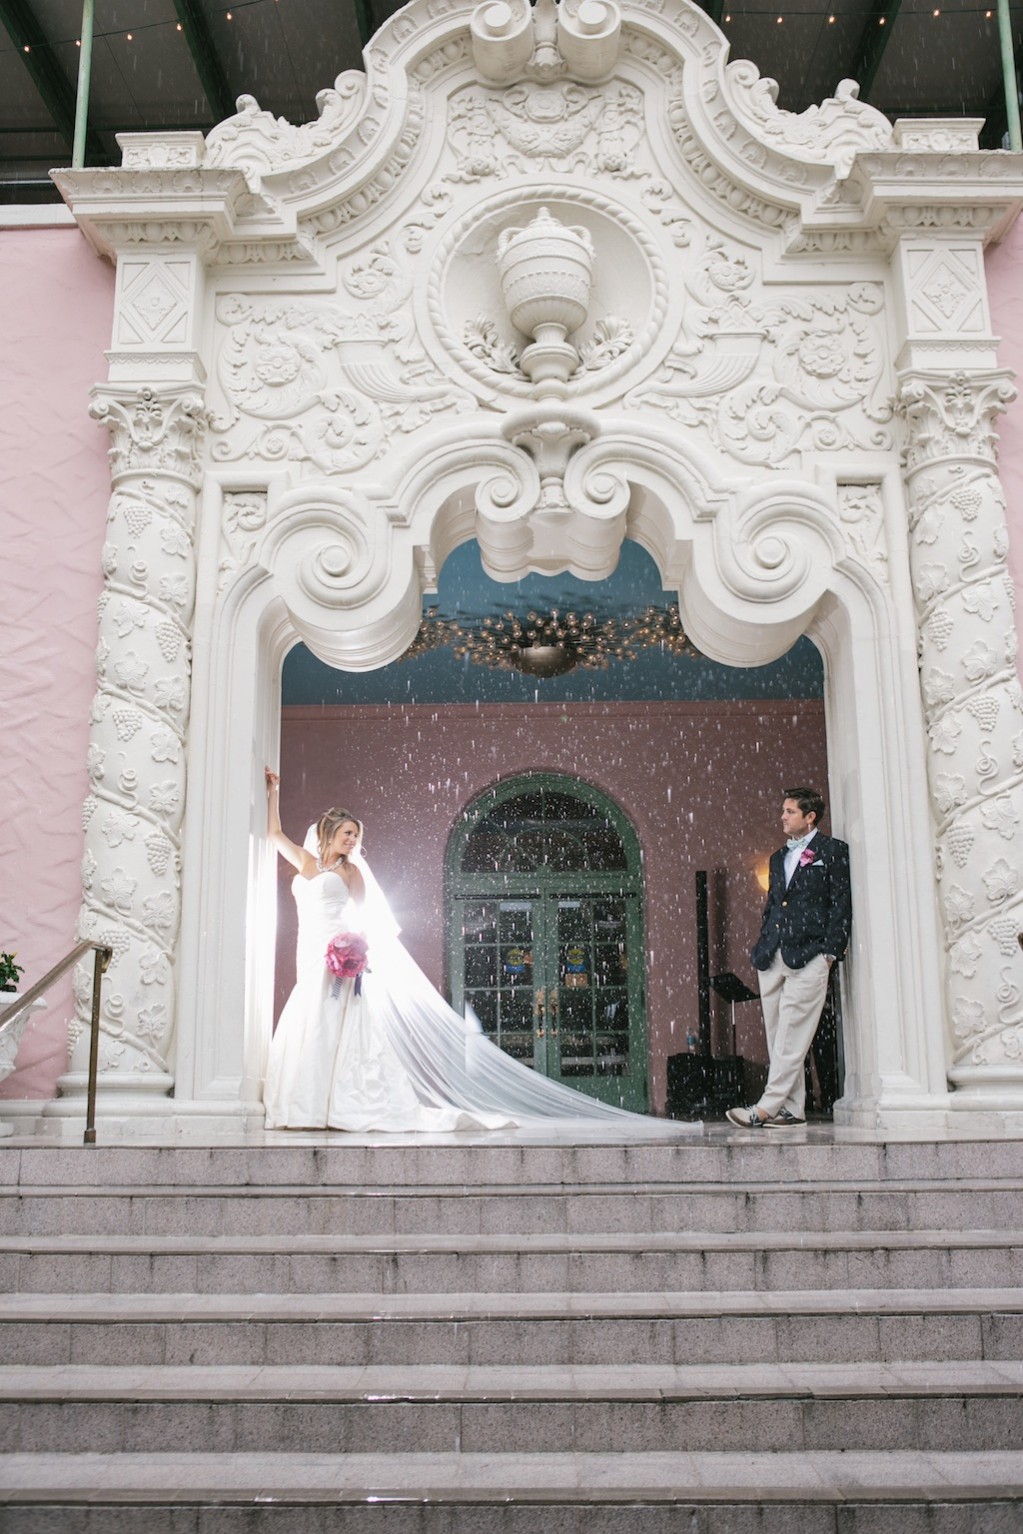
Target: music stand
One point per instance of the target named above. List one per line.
(731, 989)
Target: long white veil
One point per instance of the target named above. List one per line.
(450, 1060)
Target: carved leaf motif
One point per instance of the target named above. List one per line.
(170, 693)
(965, 955)
(160, 911)
(1000, 815)
(164, 798)
(117, 827)
(931, 580)
(949, 791)
(959, 905)
(152, 1020)
(928, 526)
(944, 735)
(130, 672)
(980, 661)
(939, 687)
(1001, 881)
(611, 337)
(483, 340)
(980, 600)
(152, 967)
(165, 746)
(118, 891)
(969, 1017)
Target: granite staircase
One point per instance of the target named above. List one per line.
(500, 1338)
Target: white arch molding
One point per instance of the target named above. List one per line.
(550, 289)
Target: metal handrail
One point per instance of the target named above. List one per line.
(103, 955)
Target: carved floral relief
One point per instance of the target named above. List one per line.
(771, 376)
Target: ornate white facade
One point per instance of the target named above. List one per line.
(553, 277)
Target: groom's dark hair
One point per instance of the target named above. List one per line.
(809, 801)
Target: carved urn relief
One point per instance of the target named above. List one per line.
(546, 271)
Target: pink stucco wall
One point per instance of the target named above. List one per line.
(54, 486)
(700, 782)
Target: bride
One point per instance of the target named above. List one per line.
(381, 1049)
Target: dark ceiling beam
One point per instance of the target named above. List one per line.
(205, 58)
(872, 44)
(364, 20)
(49, 79)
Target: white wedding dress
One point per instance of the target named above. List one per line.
(393, 1055)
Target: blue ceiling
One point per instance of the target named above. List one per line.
(464, 591)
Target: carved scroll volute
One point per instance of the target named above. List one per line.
(973, 709)
(138, 741)
(578, 39)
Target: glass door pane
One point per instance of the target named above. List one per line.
(498, 942)
(591, 1040)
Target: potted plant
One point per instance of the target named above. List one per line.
(9, 972)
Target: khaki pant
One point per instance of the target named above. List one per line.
(792, 1001)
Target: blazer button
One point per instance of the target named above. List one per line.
(784, 904)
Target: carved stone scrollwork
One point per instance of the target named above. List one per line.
(258, 142)
(973, 708)
(138, 742)
(833, 132)
(512, 39)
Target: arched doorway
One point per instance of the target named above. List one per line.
(544, 900)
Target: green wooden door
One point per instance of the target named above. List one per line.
(546, 933)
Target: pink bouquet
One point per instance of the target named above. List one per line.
(346, 960)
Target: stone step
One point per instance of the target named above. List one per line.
(815, 1492)
(383, 1209)
(969, 1405)
(601, 1261)
(527, 1329)
(466, 1161)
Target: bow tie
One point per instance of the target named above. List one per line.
(794, 843)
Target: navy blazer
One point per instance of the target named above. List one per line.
(813, 914)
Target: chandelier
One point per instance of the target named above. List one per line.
(544, 644)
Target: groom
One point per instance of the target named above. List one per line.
(805, 931)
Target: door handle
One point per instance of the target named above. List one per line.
(539, 996)
(552, 1008)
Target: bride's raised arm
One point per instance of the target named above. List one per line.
(297, 856)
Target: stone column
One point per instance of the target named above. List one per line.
(138, 744)
(974, 715)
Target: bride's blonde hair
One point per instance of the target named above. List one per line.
(328, 824)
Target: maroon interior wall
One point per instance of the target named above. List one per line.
(701, 782)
